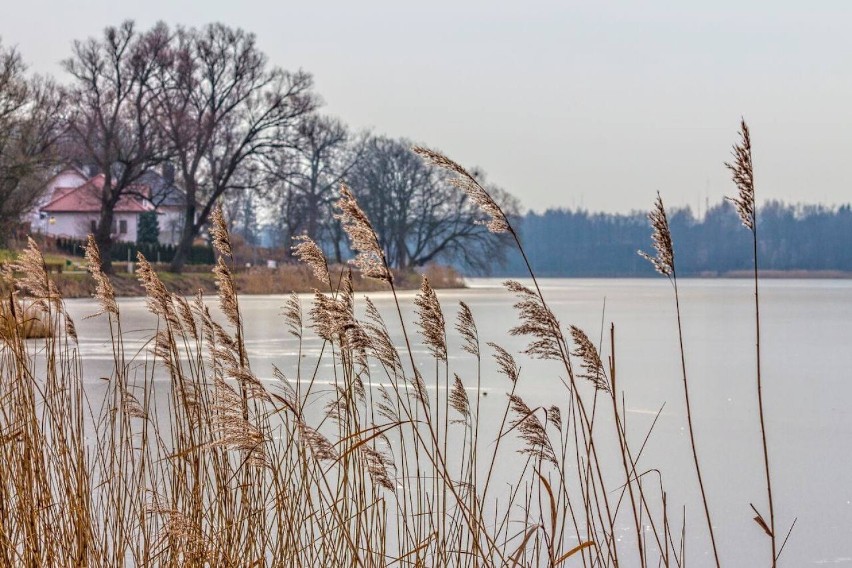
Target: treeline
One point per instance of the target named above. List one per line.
(577, 243)
(238, 131)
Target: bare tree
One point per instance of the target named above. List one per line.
(115, 118)
(241, 209)
(31, 113)
(307, 174)
(422, 217)
(224, 109)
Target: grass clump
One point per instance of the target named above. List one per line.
(191, 459)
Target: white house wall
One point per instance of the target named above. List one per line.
(170, 220)
(79, 225)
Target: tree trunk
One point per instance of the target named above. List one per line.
(187, 237)
(401, 253)
(312, 225)
(338, 250)
(6, 232)
(103, 238)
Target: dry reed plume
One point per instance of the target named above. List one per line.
(742, 173)
(663, 258)
(497, 223)
(364, 448)
(371, 257)
(664, 263)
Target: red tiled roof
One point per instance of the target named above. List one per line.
(61, 192)
(86, 199)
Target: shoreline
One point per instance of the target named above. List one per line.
(298, 279)
(707, 275)
(257, 281)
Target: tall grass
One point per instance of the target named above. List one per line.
(742, 171)
(191, 459)
(664, 262)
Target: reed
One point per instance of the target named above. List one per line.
(664, 263)
(371, 450)
(742, 173)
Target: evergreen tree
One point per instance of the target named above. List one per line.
(149, 229)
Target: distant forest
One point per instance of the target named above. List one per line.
(562, 242)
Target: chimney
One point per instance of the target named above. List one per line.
(168, 174)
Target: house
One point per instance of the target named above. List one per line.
(71, 207)
(168, 200)
(67, 177)
(75, 211)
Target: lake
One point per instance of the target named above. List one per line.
(807, 370)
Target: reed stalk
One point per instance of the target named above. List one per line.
(742, 171)
(664, 262)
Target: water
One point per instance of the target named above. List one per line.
(807, 362)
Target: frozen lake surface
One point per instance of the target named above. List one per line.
(807, 362)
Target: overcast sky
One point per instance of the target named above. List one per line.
(594, 104)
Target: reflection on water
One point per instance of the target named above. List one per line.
(807, 329)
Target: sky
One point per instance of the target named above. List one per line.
(596, 105)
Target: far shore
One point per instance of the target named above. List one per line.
(792, 274)
(731, 274)
(299, 279)
(284, 279)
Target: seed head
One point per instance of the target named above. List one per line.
(219, 232)
(593, 368)
(497, 222)
(431, 320)
(311, 254)
(661, 236)
(742, 172)
(104, 293)
(466, 326)
(370, 259)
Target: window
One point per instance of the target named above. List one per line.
(94, 226)
(122, 227)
